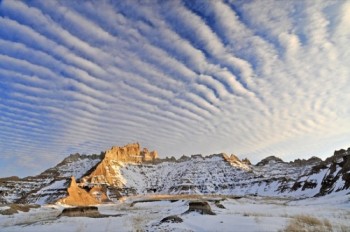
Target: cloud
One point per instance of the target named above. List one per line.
(249, 77)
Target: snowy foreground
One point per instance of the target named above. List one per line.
(330, 213)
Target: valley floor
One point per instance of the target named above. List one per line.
(144, 213)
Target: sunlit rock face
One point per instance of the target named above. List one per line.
(78, 196)
(130, 153)
(234, 161)
(52, 184)
(148, 156)
(108, 173)
(130, 170)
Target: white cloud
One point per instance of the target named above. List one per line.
(250, 77)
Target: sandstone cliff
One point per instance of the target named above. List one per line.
(130, 153)
(78, 196)
(107, 172)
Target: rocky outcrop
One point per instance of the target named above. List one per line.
(312, 160)
(270, 159)
(326, 177)
(337, 176)
(107, 172)
(99, 193)
(233, 160)
(246, 161)
(148, 156)
(130, 153)
(78, 196)
(171, 219)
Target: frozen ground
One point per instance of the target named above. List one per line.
(330, 213)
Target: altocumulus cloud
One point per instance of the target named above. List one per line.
(254, 78)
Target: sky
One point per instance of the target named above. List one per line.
(251, 78)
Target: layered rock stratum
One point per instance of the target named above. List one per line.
(130, 170)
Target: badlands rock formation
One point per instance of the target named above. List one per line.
(107, 172)
(78, 196)
(130, 153)
(235, 161)
(129, 170)
(49, 185)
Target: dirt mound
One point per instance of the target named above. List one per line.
(81, 211)
(84, 211)
(201, 207)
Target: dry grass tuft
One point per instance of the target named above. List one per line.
(309, 220)
(306, 223)
(327, 224)
(344, 228)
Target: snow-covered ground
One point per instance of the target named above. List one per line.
(329, 213)
(209, 175)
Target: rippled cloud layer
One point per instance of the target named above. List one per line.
(254, 78)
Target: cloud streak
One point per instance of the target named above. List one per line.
(182, 77)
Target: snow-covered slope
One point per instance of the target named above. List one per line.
(49, 185)
(218, 175)
(196, 175)
(212, 175)
(215, 174)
